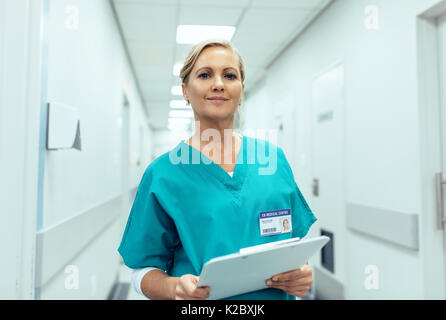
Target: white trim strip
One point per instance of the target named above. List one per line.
(58, 244)
(397, 227)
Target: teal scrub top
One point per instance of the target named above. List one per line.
(188, 210)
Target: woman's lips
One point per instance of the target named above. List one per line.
(217, 100)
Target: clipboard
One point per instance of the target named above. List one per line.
(247, 270)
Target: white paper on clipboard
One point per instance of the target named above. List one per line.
(248, 269)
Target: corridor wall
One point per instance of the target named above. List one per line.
(381, 130)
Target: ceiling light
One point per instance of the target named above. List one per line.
(177, 90)
(179, 120)
(178, 123)
(192, 34)
(177, 68)
(181, 114)
(179, 104)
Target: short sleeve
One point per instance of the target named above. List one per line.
(150, 236)
(137, 275)
(302, 216)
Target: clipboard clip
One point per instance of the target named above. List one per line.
(265, 246)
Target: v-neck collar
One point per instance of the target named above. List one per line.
(234, 183)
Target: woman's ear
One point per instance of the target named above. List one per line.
(243, 92)
(185, 93)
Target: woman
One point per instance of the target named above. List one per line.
(285, 225)
(187, 212)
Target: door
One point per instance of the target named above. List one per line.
(285, 126)
(441, 216)
(327, 104)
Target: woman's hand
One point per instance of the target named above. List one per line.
(186, 289)
(295, 282)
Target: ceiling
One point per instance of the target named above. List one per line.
(263, 29)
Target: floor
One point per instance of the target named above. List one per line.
(125, 276)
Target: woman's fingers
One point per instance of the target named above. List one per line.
(200, 292)
(188, 288)
(292, 282)
(291, 286)
(293, 274)
(299, 291)
(295, 282)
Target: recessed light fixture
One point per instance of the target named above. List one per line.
(178, 123)
(179, 104)
(192, 34)
(177, 90)
(181, 114)
(177, 68)
(179, 120)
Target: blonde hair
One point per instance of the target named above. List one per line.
(199, 48)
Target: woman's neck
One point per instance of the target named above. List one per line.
(220, 145)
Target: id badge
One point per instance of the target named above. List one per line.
(275, 222)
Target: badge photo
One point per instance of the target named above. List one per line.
(275, 222)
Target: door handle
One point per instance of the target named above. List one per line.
(315, 187)
(439, 182)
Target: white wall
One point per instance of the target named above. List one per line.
(141, 145)
(381, 126)
(19, 142)
(87, 70)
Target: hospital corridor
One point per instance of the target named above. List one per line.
(236, 149)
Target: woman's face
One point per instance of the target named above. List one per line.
(214, 87)
(285, 224)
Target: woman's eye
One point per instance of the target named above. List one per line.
(204, 75)
(231, 76)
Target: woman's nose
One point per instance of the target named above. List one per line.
(218, 83)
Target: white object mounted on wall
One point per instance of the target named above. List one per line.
(63, 127)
